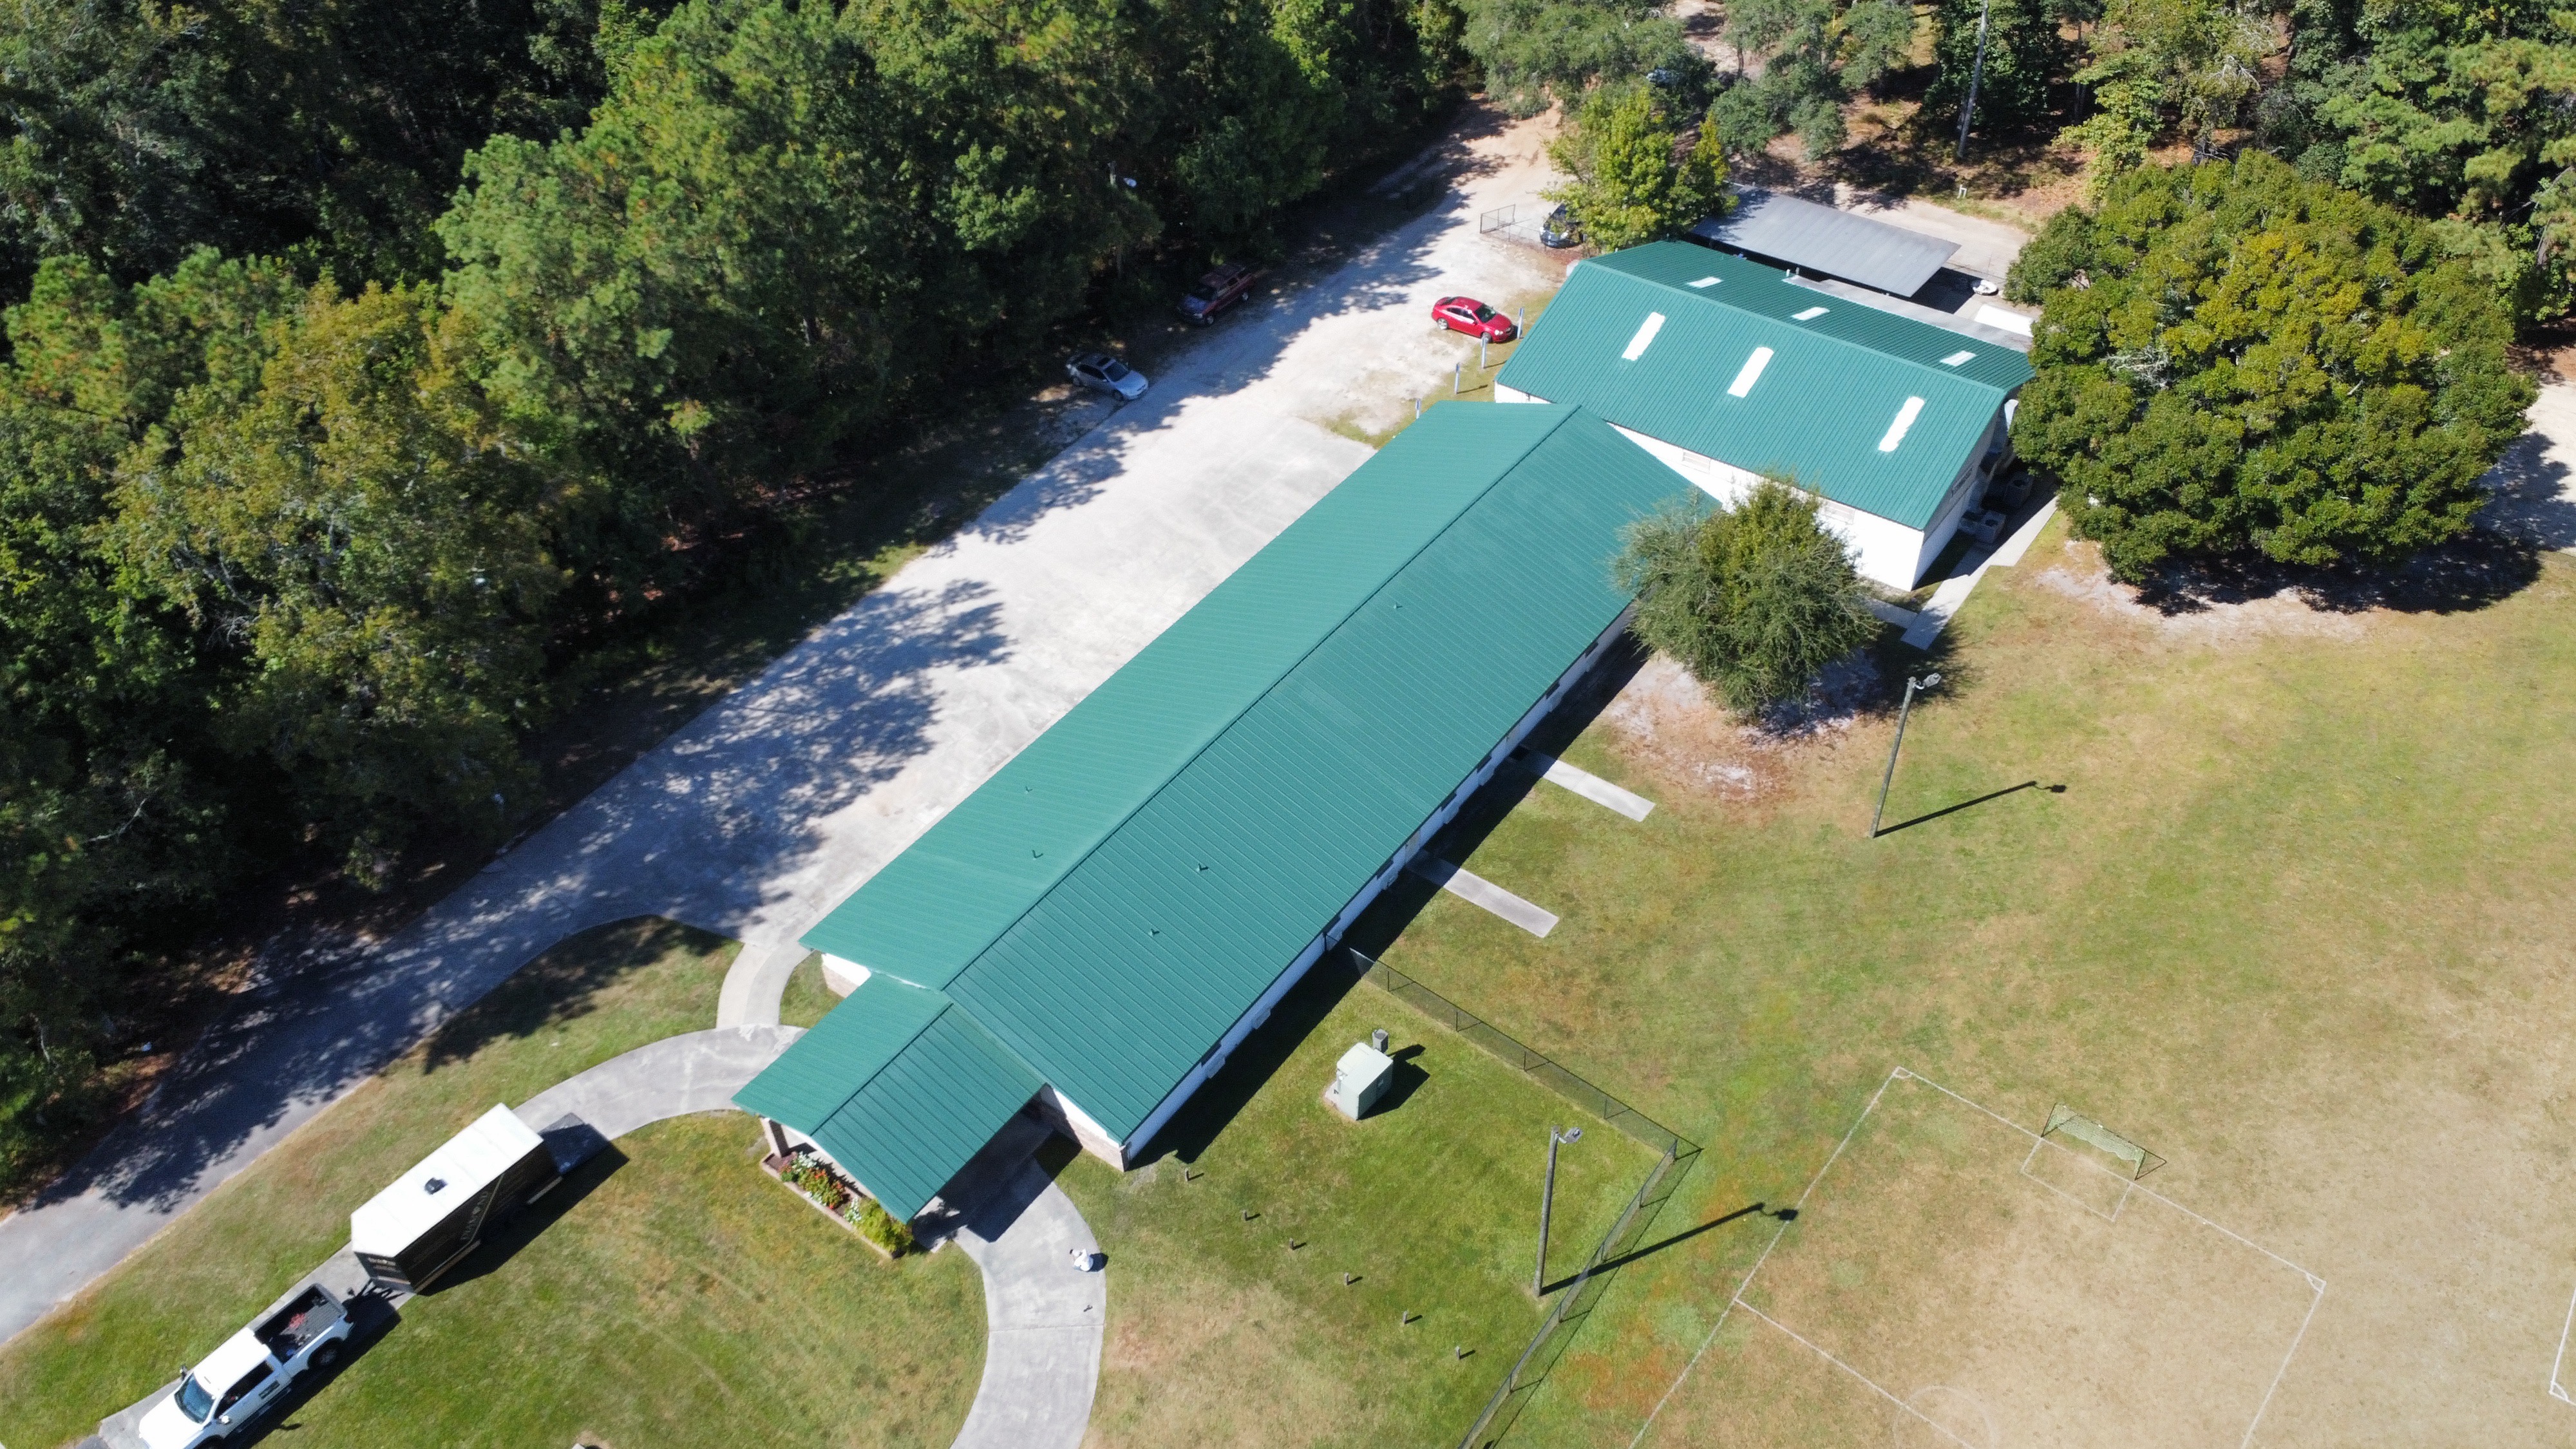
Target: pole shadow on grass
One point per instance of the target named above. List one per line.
(1684, 1236)
(1970, 805)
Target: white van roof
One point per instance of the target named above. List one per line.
(467, 1164)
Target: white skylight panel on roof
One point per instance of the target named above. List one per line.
(1750, 374)
(1810, 315)
(1705, 282)
(1645, 337)
(1896, 430)
(1955, 358)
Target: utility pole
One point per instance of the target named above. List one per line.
(1976, 73)
(1547, 1201)
(1911, 684)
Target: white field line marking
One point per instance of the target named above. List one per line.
(2126, 1183)
(2560, 1362)
(1872, 1384)
(1776, 1233)
(2283, 1371)
(2148, 1191)
(2316, 1284)
(1592, 787)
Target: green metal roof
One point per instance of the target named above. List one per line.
(1825, 402)
(1113, 900)
(900, 1085)
(936, 907)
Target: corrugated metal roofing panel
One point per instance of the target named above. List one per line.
(852, 1043)
(1819, 407)
(927, 1112)
(934, 908)
(1829, 240)
(1121, 979)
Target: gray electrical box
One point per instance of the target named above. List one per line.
(1359, 1079)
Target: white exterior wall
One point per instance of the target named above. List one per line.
(1252, 1020)
(844, 976)
(1884, 550)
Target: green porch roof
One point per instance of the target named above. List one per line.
(1824, 404)
(900, 1085)
(1120, 894)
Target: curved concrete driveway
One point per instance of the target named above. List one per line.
(1043, 1320)
(696, 1071)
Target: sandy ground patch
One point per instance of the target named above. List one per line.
(1666, 721)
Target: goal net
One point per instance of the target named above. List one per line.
(2136, 1161)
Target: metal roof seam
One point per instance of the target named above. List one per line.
(1182, 768)
(1721, 299)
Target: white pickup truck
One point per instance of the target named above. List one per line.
(249, 1372)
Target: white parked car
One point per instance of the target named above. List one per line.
(1100, 370)
(250, 1372)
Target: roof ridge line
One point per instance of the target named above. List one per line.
(1929, 369)
(1229, 727)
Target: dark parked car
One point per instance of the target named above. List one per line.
(1466, 314)
(1561, 229)
(1217, 291)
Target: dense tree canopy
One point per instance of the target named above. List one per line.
(2237, 359)
(1635, 179)
(2025, 54)
(1754, 600)
(2465, 112)
(1536, 52)
(1815, 55)
(365, 363)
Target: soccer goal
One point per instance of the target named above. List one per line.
(2066, 1122)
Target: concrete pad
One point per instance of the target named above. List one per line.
(2010, 553)
(1946, 599)
(1591, 787)
(1476, 890)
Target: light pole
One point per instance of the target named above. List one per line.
(1976, 73)
(1547, 1201)
(1911, 685)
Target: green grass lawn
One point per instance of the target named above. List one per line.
(806, 998)
(1220, 1334)
(668, 1294)
(2297, 922)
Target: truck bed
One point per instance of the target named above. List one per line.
(304, 1318)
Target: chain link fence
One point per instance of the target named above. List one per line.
(1585, 1290)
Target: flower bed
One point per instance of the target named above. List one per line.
(840, 1199)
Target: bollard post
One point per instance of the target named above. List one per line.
(1457, 379)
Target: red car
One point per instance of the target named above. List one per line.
(1217, 291)
(1466, 314)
